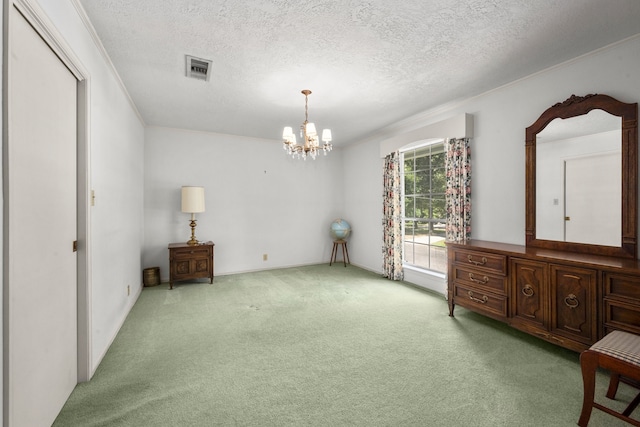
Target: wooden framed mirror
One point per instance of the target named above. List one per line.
(582, 177)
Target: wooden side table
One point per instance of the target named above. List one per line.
(190, 262)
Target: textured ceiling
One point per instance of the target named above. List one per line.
(369, 63)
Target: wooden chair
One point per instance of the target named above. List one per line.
(619, 353)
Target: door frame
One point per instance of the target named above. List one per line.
(36, 17)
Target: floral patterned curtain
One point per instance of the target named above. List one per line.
(392, 219)
(458, 196)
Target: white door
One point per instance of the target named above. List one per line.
(593, 200)
(40, 305)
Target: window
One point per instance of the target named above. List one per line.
(423, 198)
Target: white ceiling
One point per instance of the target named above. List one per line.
(369, 63)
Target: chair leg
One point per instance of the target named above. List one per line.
(632, 406)
(588, 365)
(613, 385)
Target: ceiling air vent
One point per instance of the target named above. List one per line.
(198, 68)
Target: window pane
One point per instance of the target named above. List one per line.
(423, 182)
(409, 230)
(409, 183)
(408, 253)
(439, 180)
(438, 233)
(439, 208)
(424, 203)
(408, 161)
(421, 255)
(438, 257)
(409, 207)
(421, 231)
(437, 160)
(423, 162)
(423, 207)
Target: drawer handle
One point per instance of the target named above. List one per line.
(481, 301)
(572, 301)
(484, 280)
(528, 291)
(472, 261)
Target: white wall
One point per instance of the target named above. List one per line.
(258, 200)
(363, 204)
(116, 146)
(2, 11)
(498, 160)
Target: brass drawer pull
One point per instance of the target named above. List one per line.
(484, 280)
(528, 291)
(481, 301)
(572, 301)
(472, 261)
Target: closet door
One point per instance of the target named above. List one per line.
(40, 306)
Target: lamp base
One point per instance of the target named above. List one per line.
(193, 241)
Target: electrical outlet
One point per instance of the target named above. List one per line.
(265, 257)
(128, 290)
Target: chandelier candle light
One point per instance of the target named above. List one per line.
(193, 203)
(311, 145)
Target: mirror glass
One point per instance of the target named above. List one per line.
(579, 180)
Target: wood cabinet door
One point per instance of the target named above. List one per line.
(573, 303)
(201, 267)
(530, 293)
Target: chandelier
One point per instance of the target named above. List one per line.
(310, 144)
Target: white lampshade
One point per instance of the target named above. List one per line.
(287, 133)
(311, 129)
(192, 199)
(326, 135)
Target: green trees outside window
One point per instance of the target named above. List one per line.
(424, 186)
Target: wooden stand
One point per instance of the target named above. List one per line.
(188, 262)
(345, 252)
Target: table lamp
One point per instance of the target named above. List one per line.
(193, 203)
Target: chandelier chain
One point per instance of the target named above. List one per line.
(306, 109)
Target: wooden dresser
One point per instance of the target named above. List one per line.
(566, 298)
(187, 262)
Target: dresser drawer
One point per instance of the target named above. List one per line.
(189, 253)
(477, 277)
(481, 301)
(489, 262)
(621, 315)
(622, 286)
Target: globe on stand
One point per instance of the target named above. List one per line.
(340, 229)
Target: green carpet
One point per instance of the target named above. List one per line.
(324, 346)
